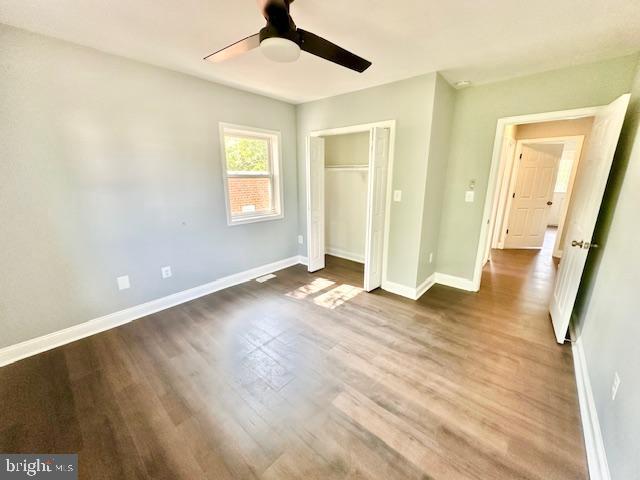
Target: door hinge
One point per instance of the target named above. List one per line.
(507, 231)
(520, 156)
(514, 195)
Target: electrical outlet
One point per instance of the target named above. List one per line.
(166, 271)
(397, 195)
(300, 239)
(123, 282)
(615, 385)
(431, 257)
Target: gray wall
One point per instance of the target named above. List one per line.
(350, 149)
(608, 303)
(111, 167)
(410, 103)
(440, 141)
(476, 112)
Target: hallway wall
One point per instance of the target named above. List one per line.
(561, 128)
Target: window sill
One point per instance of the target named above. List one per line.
(256, 219)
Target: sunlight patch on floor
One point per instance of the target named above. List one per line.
(310, 288)
(337, 296)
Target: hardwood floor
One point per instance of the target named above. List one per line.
(305, 376)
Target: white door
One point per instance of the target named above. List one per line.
(537, 167)
(497, 220)
(585, 200)
(376, 205)
(556, 209)
(315, 203)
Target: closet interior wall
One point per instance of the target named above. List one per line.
(346, 181)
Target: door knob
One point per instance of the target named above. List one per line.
(575, 243)
(549, 203)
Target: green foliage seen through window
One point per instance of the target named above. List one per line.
(246, 154)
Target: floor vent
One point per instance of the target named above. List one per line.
(264, 278)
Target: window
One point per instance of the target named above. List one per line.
(564, 171)
(251, 169)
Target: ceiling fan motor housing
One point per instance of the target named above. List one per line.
(279, 22)
(270, 31)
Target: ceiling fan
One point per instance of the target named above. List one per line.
(280, 40)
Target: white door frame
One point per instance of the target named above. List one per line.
(579, 139)
(364, 127)
(557, 247)
(507, 155)
(495, 163)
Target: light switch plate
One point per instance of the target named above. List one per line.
(123, 282)
(469, 196)
(300, 239)
(397, 195)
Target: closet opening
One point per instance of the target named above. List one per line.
(348, 196)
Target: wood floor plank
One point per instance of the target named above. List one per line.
(307, 376)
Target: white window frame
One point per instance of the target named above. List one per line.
(275, 167)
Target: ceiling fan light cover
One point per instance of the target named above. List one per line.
(280, 49)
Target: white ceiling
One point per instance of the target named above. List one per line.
(477, 40)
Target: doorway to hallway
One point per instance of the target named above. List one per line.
(585, 199)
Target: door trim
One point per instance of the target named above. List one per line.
(557, 247)
(364, 127)
(495, 163)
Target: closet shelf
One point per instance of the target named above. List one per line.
(346, 167)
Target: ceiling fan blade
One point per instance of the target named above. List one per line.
(312, 43)
(235, 49)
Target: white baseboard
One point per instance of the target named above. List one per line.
(594, 445)
(16, 352)
(409, 292)
(455, 282)
(426, 285)
(415, 293)
(303, 260)
(338, 252)
(399, 289)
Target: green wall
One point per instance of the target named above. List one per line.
(410, 103)
(476, 112)
(439, 142)
(606, 311)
